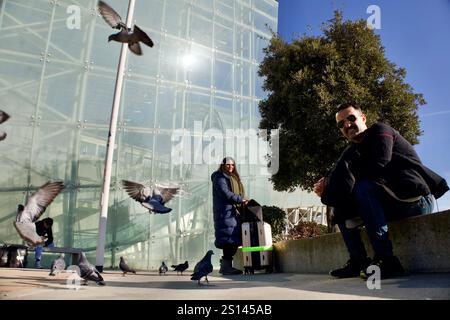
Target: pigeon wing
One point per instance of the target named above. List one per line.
(110, 16)
(140, 35)
(39, 201)
(27, 231)
(135, 47)
(166, 193)
(3, 116)
(136, 191)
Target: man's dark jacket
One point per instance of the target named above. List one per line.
(41, 230)
(386, 158)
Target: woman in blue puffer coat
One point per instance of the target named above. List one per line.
(228, 194)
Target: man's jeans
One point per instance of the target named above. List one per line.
(38, 251)
(376, 207)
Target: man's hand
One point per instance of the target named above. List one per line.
(244, 202)
(319, 186)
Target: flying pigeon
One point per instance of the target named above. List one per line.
(124, 267)
(203, 268)
(163, 268)
(34, 208)
(58, 265)
(125, 35)
(181, 267)
(159, 196)
(3, 117)
(88, 271)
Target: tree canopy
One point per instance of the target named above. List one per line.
(307, 79)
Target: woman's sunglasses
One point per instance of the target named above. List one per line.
(351, 118)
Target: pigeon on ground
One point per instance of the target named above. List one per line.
(203, 268)
(181, 267)
(163, 268)
(3, 117)
(124, 267)
(152, 200)
(125, 35)
(58, 265)
(34, 208)
(88, 271)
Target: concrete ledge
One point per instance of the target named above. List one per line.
(422, 244)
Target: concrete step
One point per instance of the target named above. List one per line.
(422, 244)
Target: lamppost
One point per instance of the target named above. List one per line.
(104, 199)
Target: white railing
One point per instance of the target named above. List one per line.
(308, 213)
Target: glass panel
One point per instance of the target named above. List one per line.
(206, 5)
(61, 92)
(51, 153)
(170, 109)
(243, 109)
(138, 105)
(198, 108)
(223, 79)
(198, 64)
(245, 79)
(260, 42)
(69, 44)
(269, 7)
(175, 21)
(223, 33)
(171, 64)
(225, 8)
(99, 97)
(223, 113)
(27, 23)
(243, 13)
(148, 15)
(201, 26)
(243, 43)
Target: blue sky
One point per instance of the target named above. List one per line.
(416, 36)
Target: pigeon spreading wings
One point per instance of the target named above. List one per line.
(203, 268)
(3, 117)
(180, 267)
(153, 200)
(32, 211)
(58, 265)
(125, 35)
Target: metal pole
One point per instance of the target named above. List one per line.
(104, 200)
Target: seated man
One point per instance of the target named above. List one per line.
(44, 229)
(379, 177)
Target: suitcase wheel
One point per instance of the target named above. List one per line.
(249, 270)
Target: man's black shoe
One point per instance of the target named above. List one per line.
(389, 267)
(351, 269)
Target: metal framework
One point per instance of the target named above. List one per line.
(192, 218)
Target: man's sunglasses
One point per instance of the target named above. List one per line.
(351, 118)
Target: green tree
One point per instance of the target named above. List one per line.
(307, 79)
(276, 217)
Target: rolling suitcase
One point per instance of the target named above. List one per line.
(257, 246)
